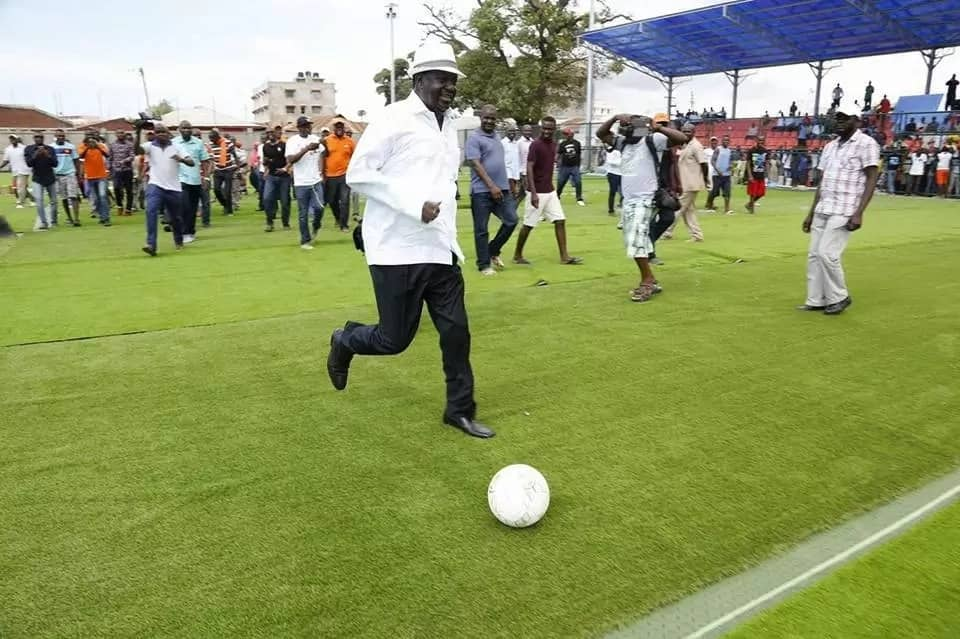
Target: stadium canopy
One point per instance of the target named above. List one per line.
(752, 34)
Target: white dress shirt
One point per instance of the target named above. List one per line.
(402, 160)
(511, 158)
(523, 145)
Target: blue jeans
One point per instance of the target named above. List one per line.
(566, 173)
(482, 205)
(277, 189)
(51, 191)
(101, 203)
(158, 198)
(891, 181)
(309, 204)
(204, 203)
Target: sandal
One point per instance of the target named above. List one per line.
(655, 287)
(572, 261)
(521, 260)
(642, 294)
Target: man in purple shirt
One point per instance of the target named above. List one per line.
(543, 200)
(490, 191)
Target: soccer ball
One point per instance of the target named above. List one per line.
(518, 496)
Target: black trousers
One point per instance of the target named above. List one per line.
(659, 224)
(223, 189)
(401, 292)
(123, 186)
(191, 200)
(337, 195)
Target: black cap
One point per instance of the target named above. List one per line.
(840, 115)
(302, 120)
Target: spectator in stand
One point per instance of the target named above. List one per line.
(911, 126)
(885, 106)
(943, 170)
(918, 162)
(568, 165)
(892, 161)
(721, 163)
(42, 159)
(765, 120)
(121, 169)
(933, 126)
(773, 167)
(786, 163)
(793, 109)
(723, 113)
(752, 131)
(837, 96)
(13, 155)
(68, 179)
(95, 155)
(756, 174)
(954, 188)
(930, 171)
(952, 103)
(868, 96)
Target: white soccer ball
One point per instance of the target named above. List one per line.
(518, 496)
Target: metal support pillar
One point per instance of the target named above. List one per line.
(819, 71)
(669, 84)
(931, 59)
(589, 114)
(736, 79)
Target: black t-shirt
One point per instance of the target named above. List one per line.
(275, 156)
(757, 160)
(42, 165)
(569, 152)
(893, 159)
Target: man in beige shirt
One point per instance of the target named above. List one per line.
(694, 174)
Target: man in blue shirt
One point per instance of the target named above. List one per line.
(68, 184)
(191, 177)
(491, 191)
(722, 162)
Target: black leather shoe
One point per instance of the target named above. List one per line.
(808, 307)
(469, 426)
(839, 307)
(338, 362)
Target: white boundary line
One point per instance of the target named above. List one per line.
(824, 565)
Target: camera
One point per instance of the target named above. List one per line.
(144, 121)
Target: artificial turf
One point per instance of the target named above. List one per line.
(199, 477)
(908, 588)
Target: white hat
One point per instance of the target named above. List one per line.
(434, 56)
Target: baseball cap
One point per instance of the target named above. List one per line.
(661, 118)
(840, 115)
(302, 120)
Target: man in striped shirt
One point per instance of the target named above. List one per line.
(849, 171)
(223, 154)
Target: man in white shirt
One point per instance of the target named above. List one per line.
(407, 163)
(943, 170)
(13, 155)
(523, 147)
(304, 152)
(164, 190)
(918, 164)
(639, 182)
(849, 169)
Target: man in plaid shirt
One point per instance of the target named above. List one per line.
(849, 170)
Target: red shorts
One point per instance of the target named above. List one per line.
(943, 177)
(757, 188)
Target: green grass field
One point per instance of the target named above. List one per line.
(908, 588)
(187, 470)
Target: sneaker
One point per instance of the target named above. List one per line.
(497, 262)
(189, 239)
(656, 261)
(307, 247)
(178, 247)
(76, 223)
(488, 271)
(730, 213)
(619, 226)
(149, 250)
(19, 206)
(581, 203)
(167, 228)
(41, 228)
(268, 228)
(106, 223)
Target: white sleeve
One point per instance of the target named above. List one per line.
(365, 174)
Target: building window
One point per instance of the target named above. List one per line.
(316, 109)
(316, 95)
(303, 109)
(291, 109)
(289, 93)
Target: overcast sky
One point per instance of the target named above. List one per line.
(64, 61)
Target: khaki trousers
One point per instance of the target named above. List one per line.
(826, 283)
(688, 213)
(22, 183)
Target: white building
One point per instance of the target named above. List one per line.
(282, 102)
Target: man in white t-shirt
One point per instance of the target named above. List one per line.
(13, 155)
(639, 183)
(918, 163)
(943, 170)
(523, 147)
(708, 153)
(304, 152)
(163, 190)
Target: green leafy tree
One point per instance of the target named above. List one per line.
(401, 67)
(522, 55)
(161, 108)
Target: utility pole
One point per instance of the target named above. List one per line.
(392, 16)
(589, 114)
(143, 78)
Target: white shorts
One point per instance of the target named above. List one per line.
(67, 186)
(637, 214)
(550, 209)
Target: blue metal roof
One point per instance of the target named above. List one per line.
(768, 33)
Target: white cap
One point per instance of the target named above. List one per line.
(434, 56)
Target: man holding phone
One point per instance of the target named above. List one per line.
(95, 154)
(164, 190)
(641, 143)
(303, 155)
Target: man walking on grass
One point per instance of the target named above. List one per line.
(641, 143)
(121, 169)
(191, 177)
(849, 170)
(491, 191)
(42, 159)
(95, 156)
(13, 155)
(756, 174)
(303, 155)
(406, 164)
(722, 163)
(164, 190)
(277, 186)
(569, 156)
(68, 179)
(692, 169)
(223, 153)
(523, 148)
(339, 150)
(543, 200)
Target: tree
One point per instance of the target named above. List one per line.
(161, 108)
(522, 55)
(401, 67)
